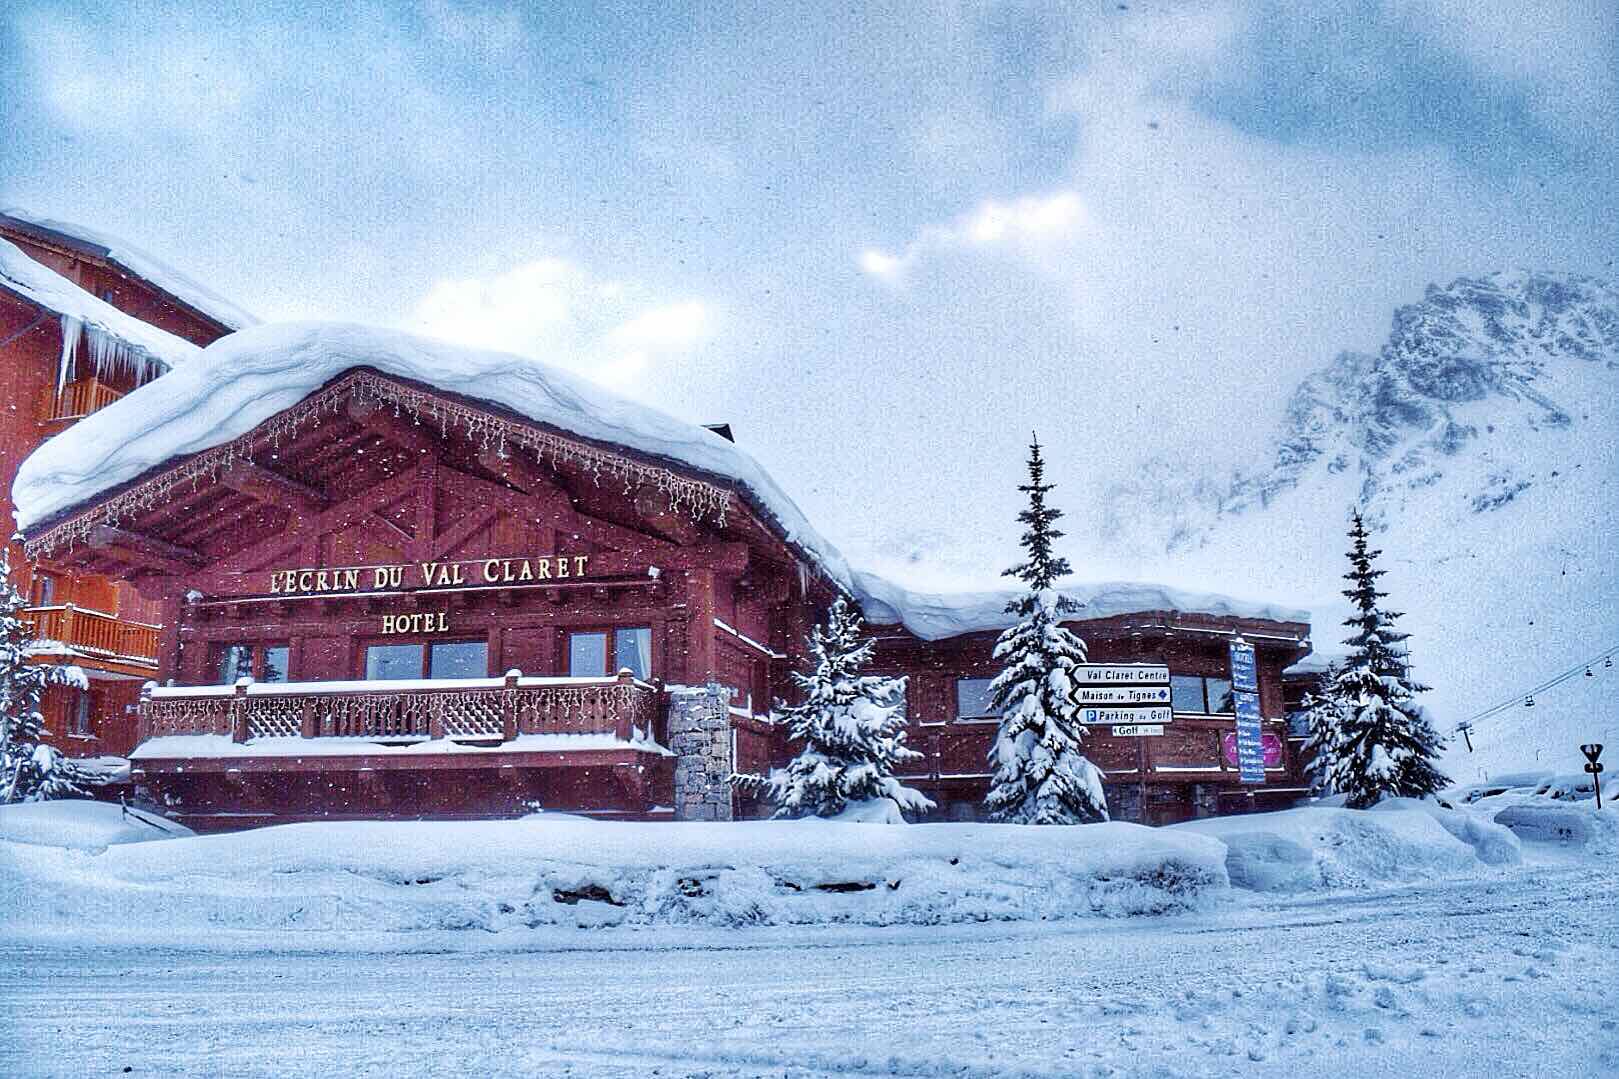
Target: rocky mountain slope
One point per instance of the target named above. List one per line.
(1482, 440)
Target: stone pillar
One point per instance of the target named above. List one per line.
(700, 736)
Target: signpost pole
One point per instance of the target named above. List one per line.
(1592, 752)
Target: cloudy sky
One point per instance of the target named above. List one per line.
(883, 242)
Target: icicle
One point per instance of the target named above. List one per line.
(71, 327)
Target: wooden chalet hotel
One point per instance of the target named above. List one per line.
(392, 577)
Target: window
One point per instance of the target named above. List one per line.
(78, 722)
(391, 661)
(630, 646)
(587, 655)
(458, 659)
(44, 590)
(443, 659)
(260, 662)
(974, 701)
(275, 663)
(1201, 695)
(235, 662)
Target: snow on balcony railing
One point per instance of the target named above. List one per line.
(482, 708)
(94, 632)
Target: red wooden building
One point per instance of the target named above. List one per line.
(84, 319)
(399, 578)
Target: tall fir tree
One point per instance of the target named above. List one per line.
(1385, 745)
(29, 769)
(852, 727)
(1041, 774)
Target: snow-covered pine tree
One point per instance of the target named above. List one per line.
(852, 727)
(1041, 773)
(29, 771)
(1324, 718)
(1385, 744)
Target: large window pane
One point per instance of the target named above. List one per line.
(587, 655)
(632, 648)
(459, 659)
(1186, 693)
(1220, 699)
(235, 661)
(385, 661)
(973, 698)
(275, 663)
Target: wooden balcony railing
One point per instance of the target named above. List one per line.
(95, 632)
(469, 708)
(76, 400)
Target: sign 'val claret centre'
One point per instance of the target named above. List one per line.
(428, 582)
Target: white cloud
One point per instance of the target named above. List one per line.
(555, 310)
(1033, 228)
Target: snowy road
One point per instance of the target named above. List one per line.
(1492, 979)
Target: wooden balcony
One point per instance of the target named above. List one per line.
(96, 634)
(491, 710)
(76, 400)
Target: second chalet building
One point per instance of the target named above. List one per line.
(396, 577)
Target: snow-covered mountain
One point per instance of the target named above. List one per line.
(1482, 441)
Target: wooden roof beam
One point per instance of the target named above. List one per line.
(260, 483)
(144, 551)
(406, 435)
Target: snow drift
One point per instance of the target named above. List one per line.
(82, 825)
(545, 871)
(1327, 848)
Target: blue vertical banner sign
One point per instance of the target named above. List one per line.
(1250, 730)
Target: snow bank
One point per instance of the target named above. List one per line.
(1324, 848)
(1493, 844)
(125, 255)
(108, 328)
(83, 825)
(539, 871)
(1567, 825)
(933, 616)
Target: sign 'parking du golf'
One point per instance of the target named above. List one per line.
(1250, 730)
(1123, 695)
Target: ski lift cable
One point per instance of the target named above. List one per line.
(1573, 672)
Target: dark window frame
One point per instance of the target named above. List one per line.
(256, 659)
(984, 717)
(425, 666)
(81, 715)
(610, 649)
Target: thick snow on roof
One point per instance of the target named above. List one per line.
(935, 616)
(142, 265)
(39, 284)
(242, 380)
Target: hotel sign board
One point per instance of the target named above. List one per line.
(406, 576)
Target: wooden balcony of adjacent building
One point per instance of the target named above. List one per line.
(93, 638)
(354, 726)
(75, 400)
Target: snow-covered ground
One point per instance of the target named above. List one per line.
(562, 946)
(1496, 978)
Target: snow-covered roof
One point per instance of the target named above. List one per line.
(107, 327)
(935, 616)
(138, 263)
(242, 380)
